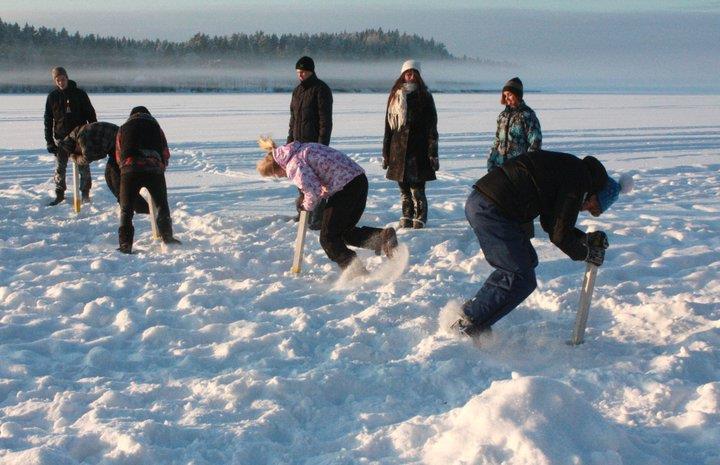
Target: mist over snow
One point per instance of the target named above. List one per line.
(655, 48)
(264, 76)
(214, 353)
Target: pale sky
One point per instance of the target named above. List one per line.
(628, 41)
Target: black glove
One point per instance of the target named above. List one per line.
(597, 239)
(435, 162)
(597, 243)
(596, 256)
(385, 164)
(52, 148)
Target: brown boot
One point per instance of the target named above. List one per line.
(388, 241)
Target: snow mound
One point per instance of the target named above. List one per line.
(521, 421)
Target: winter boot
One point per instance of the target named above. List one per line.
(59, 197)
(85, 198)
(388, 241)
(125, 237)
(467, 328)
(408, 209)
(166, 233)
(421, 207)
(354, 269)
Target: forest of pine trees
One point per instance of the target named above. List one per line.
(28, 45)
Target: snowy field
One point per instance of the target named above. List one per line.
(214, 353)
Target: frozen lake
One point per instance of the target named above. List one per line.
(213, 352)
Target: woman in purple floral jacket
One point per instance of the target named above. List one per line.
(321, 172)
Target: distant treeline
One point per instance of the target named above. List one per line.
(28, 45)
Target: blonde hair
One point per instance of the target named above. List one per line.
(267, 166)
(266, 143)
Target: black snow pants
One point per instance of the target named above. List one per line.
(339, 223)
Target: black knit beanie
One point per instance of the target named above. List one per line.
(515, 86)
(139, 109)
(305, 64)
(596, 171)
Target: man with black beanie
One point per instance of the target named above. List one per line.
(142, 153)
(310, 117)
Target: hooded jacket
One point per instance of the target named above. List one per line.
(317, 170)
(65, 110)
(518, 131)
(311, 112)
(141, 145)
(551, 185)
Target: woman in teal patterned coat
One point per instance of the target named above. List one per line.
(518, 129)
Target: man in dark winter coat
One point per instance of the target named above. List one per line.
(94, 141)
(142, 153)
(554, 186)
(310, 118)
(66, 108)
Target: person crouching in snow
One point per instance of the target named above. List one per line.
(142, 153)
(94, 141)
(556, 187)
(321, 172)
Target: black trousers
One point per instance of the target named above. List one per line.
(130, 185)
(112, 178)
(339, 223)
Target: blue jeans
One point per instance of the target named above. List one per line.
(508, 249)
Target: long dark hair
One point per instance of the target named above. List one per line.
(422, 88)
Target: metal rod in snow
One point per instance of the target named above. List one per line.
(584, 307)
(152, 212)
(300, 242)
(76, 188)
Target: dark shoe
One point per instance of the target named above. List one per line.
(405, 223)
(355, 269)
(417, 224)
(467, 328)
(125, 238)
(59, 197)
(170, 240)
(85, 197)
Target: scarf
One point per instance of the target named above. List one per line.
(397, 110)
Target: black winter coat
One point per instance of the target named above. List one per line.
(551, 185)
(141, 146)
(65, 110)
(407, 150)
(311, 112)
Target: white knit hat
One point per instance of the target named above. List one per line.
(410, 64)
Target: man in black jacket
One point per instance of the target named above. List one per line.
(554, 186)
(66, 107)
(310, 117)
(142, 153)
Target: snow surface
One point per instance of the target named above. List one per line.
(214, 353)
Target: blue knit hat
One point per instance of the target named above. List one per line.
(612, 189)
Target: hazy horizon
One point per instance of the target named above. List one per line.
(647, 45)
